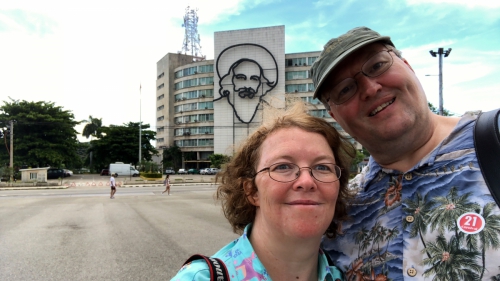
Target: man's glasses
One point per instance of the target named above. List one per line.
(373, 67)
(288, 172)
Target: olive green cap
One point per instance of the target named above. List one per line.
(339, 48)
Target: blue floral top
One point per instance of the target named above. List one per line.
(437, 221)
(243, 264)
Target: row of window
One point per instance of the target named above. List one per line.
(195, 142)
(311, 100)
(194, 118)
(194, 106)
(194, 70)
(309, 87)
(194, 94)
(194, 131)
(194, 82)
(292, 75)
(300, 61)
(322, 113)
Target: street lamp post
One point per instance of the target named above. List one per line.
(446, 53)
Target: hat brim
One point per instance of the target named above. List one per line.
(332, 65)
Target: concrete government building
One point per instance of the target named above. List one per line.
(210, 106)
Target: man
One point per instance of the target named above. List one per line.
(422, 210)
(113, 186)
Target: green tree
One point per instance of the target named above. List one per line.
(93, 127)
(121, 144)
(434, 109)
(217, 160)
(44, 134)
(489, 235)
(450, 262)
(172, 157)
(419, 208)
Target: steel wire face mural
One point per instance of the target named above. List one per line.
(245, 81)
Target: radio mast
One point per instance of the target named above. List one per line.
(191, 45)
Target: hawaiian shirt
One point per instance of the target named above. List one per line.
(437, 221)
(243, 264)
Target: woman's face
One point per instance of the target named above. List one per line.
(303, 208)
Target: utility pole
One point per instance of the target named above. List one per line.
(446, 53)
(140, 129)
(11, 165)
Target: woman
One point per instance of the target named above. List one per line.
(167, 185)
(284, 189)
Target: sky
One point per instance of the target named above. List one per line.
(98, 57)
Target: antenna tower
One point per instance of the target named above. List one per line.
(191, 44)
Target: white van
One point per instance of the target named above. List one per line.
(123, 169)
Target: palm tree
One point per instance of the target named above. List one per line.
(391, 234)
(449, 208)
(93, 127)
(489, 235)
(450, 262)
(420, 212)
(359, 237)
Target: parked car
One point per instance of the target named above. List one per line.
(68, 173)
(182, 171)
(193, 171)
(203, 171)
(170, 171)
(104, 172)
(54, 173)
(212, 171)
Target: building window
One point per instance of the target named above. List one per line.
(311, 60)
(291, 75)
(310, 100)
(322, 113)
(33, 176)
(296, 62)
(161, 140)
(206, 81)
(161, 118)
(160, 97)
(159, 87)
(294, 88)
(161, 75)
(206, 68)
(310, 87)
(160, 107)
(160, 129)
(186, 84)
(206, 105)
(186, 72)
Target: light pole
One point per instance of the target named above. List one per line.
(140, 129)
(446, 53)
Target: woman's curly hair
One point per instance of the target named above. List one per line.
(242, 167)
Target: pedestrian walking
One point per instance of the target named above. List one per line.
(167, 185)
(112, 183)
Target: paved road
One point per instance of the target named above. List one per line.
(81, 234)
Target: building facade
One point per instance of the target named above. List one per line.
(210, 106)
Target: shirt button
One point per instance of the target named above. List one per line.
(410, 218)
(408, 176)
(411, 272)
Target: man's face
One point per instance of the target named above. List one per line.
(384, 108)
(246, 80)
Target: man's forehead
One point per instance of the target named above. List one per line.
(353, 62)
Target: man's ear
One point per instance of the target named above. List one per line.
(252, 197)
(331, 114)
(408, 64)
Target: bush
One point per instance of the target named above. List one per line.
(151, 175)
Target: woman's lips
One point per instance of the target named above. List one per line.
(303, 202)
